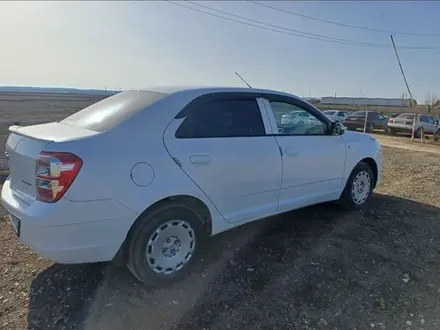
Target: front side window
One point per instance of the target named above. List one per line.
(292, 120)
(431, 120)
(223, 118)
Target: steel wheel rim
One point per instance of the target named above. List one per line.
(170, 247)
(360, 189)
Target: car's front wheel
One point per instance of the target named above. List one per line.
(165, 244)
(358, 188)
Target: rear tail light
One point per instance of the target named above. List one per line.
(390, 121)
(345, 118)
(54, 173)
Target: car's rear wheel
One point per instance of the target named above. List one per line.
(370, 128)
(392, 131)
(437, 135)
(358, 188)
(165, 244)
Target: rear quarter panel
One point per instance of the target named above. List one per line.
(109, 157)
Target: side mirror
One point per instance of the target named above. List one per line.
(336, 129)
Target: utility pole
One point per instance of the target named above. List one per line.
(401, 70)
(411, 101)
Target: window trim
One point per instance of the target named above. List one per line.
(218, 96)
(297, 103)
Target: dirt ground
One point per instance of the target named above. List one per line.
(317, 268)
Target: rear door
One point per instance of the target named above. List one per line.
(431, 124)
(221, 144)
(427, 127)
(313, 161)
(382, 120)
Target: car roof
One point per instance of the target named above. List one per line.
(200, 90)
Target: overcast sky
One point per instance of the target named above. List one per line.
(125, 45)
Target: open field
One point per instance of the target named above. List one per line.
(316, 268)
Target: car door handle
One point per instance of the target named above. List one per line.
(200, 159)
(291, 152)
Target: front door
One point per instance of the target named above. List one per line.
(313, 161)
(223, 147)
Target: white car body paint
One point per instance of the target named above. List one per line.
(139, 162)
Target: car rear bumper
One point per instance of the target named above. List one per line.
(401, 128)
(70, 232)
(349, 124)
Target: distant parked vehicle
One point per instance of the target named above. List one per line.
(297, 117)
(336, 115)
(404, 124)
(375, 120)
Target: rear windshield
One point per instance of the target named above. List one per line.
(406, 116)
(112, 111)
(329, 112)
(358, 113)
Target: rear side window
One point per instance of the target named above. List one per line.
(112, 111)
(223, 118)
(373, 116)
(406, 116)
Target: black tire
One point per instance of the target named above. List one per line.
(392, 131)
(346, 200)
(437, 135)
(370, 128)
(146, 226)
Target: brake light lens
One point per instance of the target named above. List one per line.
(54, 173)
(345, 118)
(390, 121)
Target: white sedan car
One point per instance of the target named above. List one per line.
(335, 115)
(145, 176)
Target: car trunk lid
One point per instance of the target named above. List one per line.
(23, 146)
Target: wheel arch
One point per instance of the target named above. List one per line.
(191, 201)
(373, 165)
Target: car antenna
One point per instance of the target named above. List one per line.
(243, 79)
